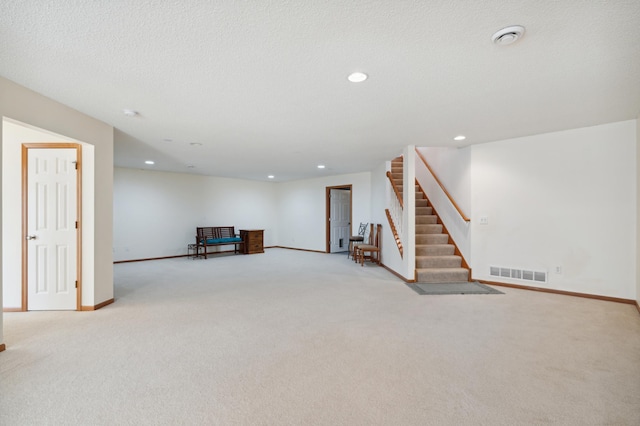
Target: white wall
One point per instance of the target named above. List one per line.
(156, 213)
(564, 199)
(1, 252)
(246, 204)
(637, 211)
(302, 208)
(23, 105)
(409, 213)
(380, 195)
(452, 166)
(13, 135)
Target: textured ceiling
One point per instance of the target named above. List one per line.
(262, 84)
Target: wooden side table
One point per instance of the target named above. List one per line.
(253, 240)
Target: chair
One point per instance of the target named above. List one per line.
(357, 238)
(373, 248)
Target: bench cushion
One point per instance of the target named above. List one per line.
(224, 240)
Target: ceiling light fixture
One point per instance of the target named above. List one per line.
(508, 35)
(195, 144)
(321, 166)
(130, 112)
(149, 162)
(459, 138)
(190, 166)
(357, 77)
(271, 176)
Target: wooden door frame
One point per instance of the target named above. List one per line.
(328, 212)
(25, 212)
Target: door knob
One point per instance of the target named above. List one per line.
(31, 237)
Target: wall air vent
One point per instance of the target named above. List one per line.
(518, 274)
(540, 276)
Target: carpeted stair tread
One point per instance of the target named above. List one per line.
(448, 261)
(435, 249)
(436, 261)
(432, 238)
(442, 275)
(426, 219)
(422, 211)
(429, 229)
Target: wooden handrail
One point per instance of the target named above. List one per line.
(395, 189)
(464, 217)
(456, 249)
(394, 231)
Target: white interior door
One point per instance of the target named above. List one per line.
(51, 229)
(340, 216)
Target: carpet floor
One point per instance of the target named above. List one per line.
(296, 338)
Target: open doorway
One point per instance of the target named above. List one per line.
(338, 218)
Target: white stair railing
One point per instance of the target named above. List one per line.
(394, 212)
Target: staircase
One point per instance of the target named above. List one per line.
(436, 258)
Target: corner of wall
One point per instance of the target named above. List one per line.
(637, 212)
(2, 347)
(409, 213)
(34, 110)
(587, 163)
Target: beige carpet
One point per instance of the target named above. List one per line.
(296, 338)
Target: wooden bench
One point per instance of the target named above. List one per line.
(208, 236)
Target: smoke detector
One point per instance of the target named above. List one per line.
(508, 35)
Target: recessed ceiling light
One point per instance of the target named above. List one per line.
(271, 176)
(357, 77)
(459, 138)
(508, 35)
(321, 166)
(195, 144)
(129, 112)
(149, 162)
